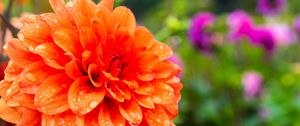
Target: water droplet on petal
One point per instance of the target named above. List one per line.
(52, 122)
(30, 77)
(21, 37)
(93, 104)
(13, 104)
(53, 90)
(61, 121)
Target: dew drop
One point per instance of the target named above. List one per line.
(5, 46)
(158, 120)
(93, 104)
(30, 77)
(52, 122)
(8, 91)
(53, 90)
(31, 48)
(21, 37)
(13, 104)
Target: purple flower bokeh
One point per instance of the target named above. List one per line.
(270, 7)
(252, 82)
(263, 37)
(199, 31)
(283, 33)
(240, 25)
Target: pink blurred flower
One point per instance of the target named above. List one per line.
(282, 33)
(200, 33)
(177, 60)
(240, 25)
(252, 82)
(263, 37)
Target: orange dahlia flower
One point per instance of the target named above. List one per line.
(88, 64)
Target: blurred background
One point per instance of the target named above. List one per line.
(240, 59)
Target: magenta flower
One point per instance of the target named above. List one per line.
(240, 25)
(283, 34)
(252, 82)
(263, 37)
(270, 7)
(200, 33)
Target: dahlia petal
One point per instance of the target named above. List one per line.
(63, 119)
(51, 97)
(29, 19)
(174, 79)
(104, 117)
(123, 17)
(125, 92)
(147, 60)
(131, 111)
(156, 117)
(21, 99)
(90, 119)
(73, 69)
(68, 40)
(161, 50)
(82, 11)
(111, 116)
(35, 33)
(12, 71)
(82, 97)
(132, 84)
(13, 89)
(109, 76)
(177, 87)
(93, 72)
(163, 94)
(55, 21)
(89, 57)
(116, 117)
(88, 39)
(171, 110)
(114, 91)
(145, 88)
(103, 13)
(19, 54)
(4, 86)
(33, 75)
(52, 55)
(30, 118)
(99, 28)
(109, 4)
(59, 8)
(165, 69)
(145, 101)
(9, 114)
(147, 76)
(143, 38)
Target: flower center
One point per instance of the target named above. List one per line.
(115, 65)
